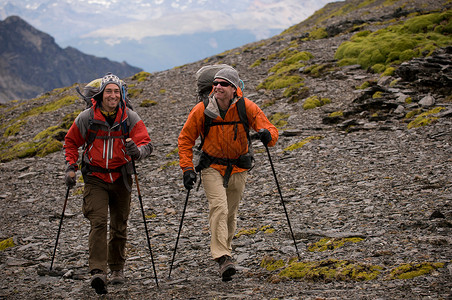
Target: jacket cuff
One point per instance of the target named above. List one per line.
(71, 167)
(187, 169)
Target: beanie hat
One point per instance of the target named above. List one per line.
(106, 80)
(229, 74)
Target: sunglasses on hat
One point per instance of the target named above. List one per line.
(222, 83)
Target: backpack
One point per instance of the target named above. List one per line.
(204, 79)
(93, 88)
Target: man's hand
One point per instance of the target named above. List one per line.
(132, 149)
(189, 179)
(69, 176)
(265, 136)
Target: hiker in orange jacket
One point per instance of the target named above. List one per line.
(225, 158)
(106, 169)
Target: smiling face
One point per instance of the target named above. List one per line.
(223, 93)
(111, 97)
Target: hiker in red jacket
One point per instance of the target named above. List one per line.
(106, 168)
(225, 157)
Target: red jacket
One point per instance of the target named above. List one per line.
(107, 150)
(220, 141)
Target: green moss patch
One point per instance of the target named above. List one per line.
(141, 76)
(68, 119)
(317, 34)
(332, 243)
(153, 216)
(170, 164)
(14, 128)
(315, 101)
(395, 44)
(246, 232)
(174, 152)
(277, 81)
(411, 270)
(270, 264)
(267, 229)
(148, 103)
(29, 149)
(364, 86)
(257, 62)
(425, 118)
(316, 70)
(279, 119)
(283, 72)
(413, 113)
(336, 114)
(302, 143)
(49, 107)
(377, 95)
(292, 60)
(42, 144)
(331, 270)
(135, 92)
(8, 243)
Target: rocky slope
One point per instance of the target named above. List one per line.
(362, 178)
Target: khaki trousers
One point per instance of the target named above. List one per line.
(100, 198)
(223, 207)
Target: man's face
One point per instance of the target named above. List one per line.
(111, 97)
(223, 93)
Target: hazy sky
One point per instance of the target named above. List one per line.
(137, 19)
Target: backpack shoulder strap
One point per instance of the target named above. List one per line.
(207, 123)
(241, 110)
(92, 129)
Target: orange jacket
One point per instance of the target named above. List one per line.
(223, 141)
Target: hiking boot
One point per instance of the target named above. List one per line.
(227, 268)
(117, 277)
(99, 281)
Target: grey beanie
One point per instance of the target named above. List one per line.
(229, 74)
(106, 80)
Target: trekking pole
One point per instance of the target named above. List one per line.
(59, 227)
(178, 234)
(282, 200)
(144, 221)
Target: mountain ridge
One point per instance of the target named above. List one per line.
(32, 63)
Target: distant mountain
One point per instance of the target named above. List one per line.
(32, 63)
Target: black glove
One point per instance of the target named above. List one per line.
(265, 136)
(132, 149)
(189, 179)
(69, 176)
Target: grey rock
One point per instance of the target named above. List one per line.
(427, 101)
